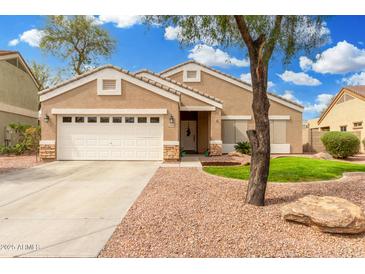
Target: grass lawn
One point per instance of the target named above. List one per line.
(292, 169)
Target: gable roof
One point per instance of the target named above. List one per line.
(91, 75)
(234, 80)
(356, 91)
(183, 88)
(10, 54)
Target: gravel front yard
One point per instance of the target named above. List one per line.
(9, 163)
(184, 212)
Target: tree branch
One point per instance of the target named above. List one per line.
(274, 35)
(245, 33)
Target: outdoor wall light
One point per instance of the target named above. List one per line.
(46, 118)
(171, 119)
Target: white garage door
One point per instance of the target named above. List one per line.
(108, 137)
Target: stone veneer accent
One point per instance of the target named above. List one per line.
(215, 149)
(171, 152)
(47, 152)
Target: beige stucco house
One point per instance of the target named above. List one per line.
(113, 114)
(18, 93)
(346, 112)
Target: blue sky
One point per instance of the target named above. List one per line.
(310, 80)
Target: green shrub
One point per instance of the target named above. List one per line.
(243, 147)
(341, 144)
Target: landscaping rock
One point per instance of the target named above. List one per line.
(323, 155)
(236, 154)
(327, 213)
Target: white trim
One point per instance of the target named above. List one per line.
(18, 110)
(171, 143)
(108, 111)
(108, 72)
(192, 67)
(280, 148)
(47, 142)
(182, 90)
(235, 82)
(197, 108)
(215, 142)
(279, 117)
(237, 117)
(116, 91)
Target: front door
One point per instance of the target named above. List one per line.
(188, 135)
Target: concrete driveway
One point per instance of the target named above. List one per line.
(67, 209)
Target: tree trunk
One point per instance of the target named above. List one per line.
(260, 136)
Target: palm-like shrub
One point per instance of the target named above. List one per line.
(341, 144)
(243, 147)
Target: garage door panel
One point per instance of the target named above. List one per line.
(109, 141)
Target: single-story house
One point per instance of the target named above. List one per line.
(112, 114)
(18, 93)
(346, 112)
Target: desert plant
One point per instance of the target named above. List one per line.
(243, 147)
(341, 144)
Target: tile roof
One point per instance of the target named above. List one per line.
(179, 84)
(78, 77)
(359, 90)
(7, 52)
(227, 75)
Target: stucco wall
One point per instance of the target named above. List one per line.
(17, 88)
(345, 114)
(132, 97)
(237, 101)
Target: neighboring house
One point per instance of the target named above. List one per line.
(112, 114)
(346, 112)
(18, 93)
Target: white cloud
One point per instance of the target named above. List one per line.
(246, 77)
(215, 57)
(121, 21)
(289, 95)
(13, 42)
(270, 84)
(320, 104)
(355, 79)
(305, 63)
(299, 78)
(342, 58)
(32, 37)
(172, 33)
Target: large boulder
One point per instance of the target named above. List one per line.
(327, 213)
(236, 154)
(323, 155)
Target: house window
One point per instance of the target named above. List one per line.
(91, 119)
(343, 128)
(117, 120)
(109, 86)
(129, 120)
(191, 75)
(234, 131)
(104, 119)
(325, 128)
(142, 120)
(66, 119)
(79, 119)
(357, 124)
(278, 132)
(154, 120)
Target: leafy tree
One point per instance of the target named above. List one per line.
(77, 39)
(42, 73)
(262, 36)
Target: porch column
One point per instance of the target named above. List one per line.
(215, 133)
